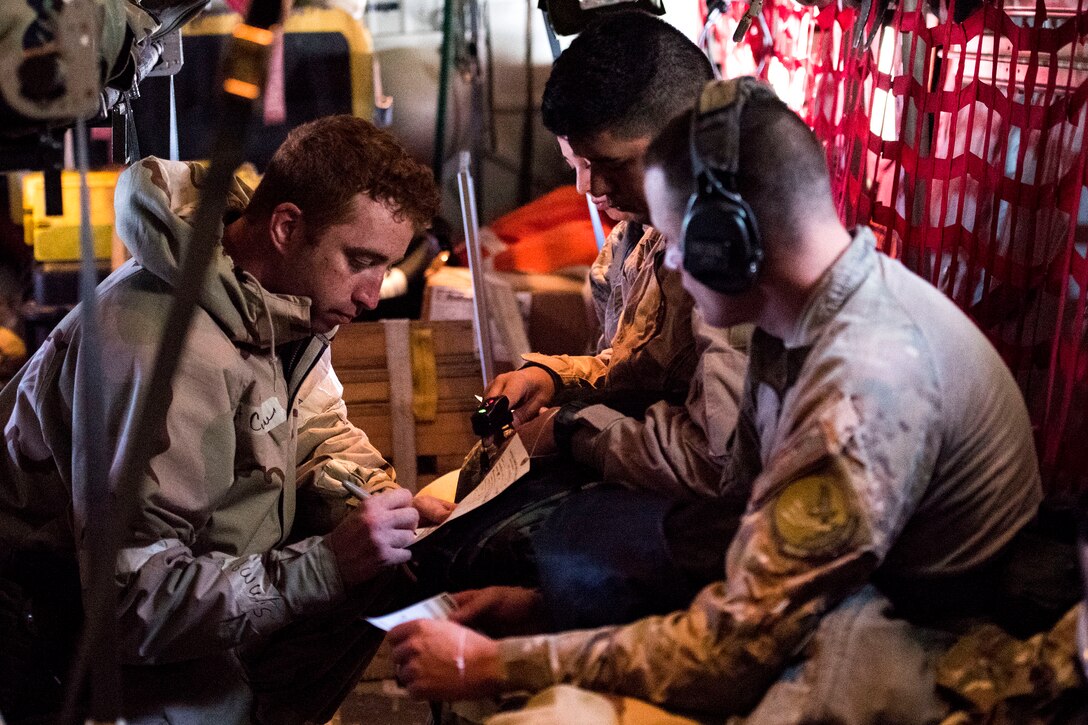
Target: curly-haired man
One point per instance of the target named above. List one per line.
(255, 436)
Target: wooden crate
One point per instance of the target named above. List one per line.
(361, 356)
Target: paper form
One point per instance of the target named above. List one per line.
(512, 464)
(437, 607)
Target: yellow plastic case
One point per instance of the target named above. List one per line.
(56, 238)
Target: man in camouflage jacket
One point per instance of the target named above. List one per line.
(660, 380)
(256, 431)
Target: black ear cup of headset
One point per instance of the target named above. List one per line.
(721, 245)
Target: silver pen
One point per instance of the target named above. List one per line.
(355, 490)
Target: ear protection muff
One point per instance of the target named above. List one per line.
(720, 243)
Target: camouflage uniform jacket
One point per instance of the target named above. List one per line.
(885, 432)
(674, 450)
(652, 341)
(207, 566)
(645, 314)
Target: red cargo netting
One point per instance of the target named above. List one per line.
(963, 145)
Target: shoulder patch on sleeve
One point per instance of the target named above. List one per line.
(815, 516)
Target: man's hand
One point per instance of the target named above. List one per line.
(445, 661)
(528, 389)
(432, 510)
(374, 535)
(501, 611)
(538, 435)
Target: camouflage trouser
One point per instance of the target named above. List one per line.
(609, 555)
(995, 679)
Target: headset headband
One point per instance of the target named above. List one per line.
(715, 124)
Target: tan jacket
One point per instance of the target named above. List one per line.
(676, 450)
(207, 566)
(885, 433)
(646, 341)
(651, 341)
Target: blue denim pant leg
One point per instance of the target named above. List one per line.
(603, 559)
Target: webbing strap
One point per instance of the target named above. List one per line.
(398, 356)
(245, 61)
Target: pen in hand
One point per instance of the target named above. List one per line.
(358, 492)
(355, 490)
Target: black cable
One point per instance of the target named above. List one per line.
(525, 177)
(245, 63)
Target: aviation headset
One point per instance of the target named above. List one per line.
(720, 243)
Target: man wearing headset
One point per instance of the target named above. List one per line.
(882, 468)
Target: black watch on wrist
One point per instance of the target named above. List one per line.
(564, 424)
(557, 381)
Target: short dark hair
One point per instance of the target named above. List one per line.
(325, 163)
(781, 169)
(627, 73)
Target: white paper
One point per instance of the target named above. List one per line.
(512, 464)
(268, 416)
(437, 607)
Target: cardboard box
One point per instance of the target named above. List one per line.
(554, 313)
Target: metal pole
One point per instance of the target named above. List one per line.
(175, 154)
(89, 448)
(443, 90)
(475, 267)
(594, 213)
